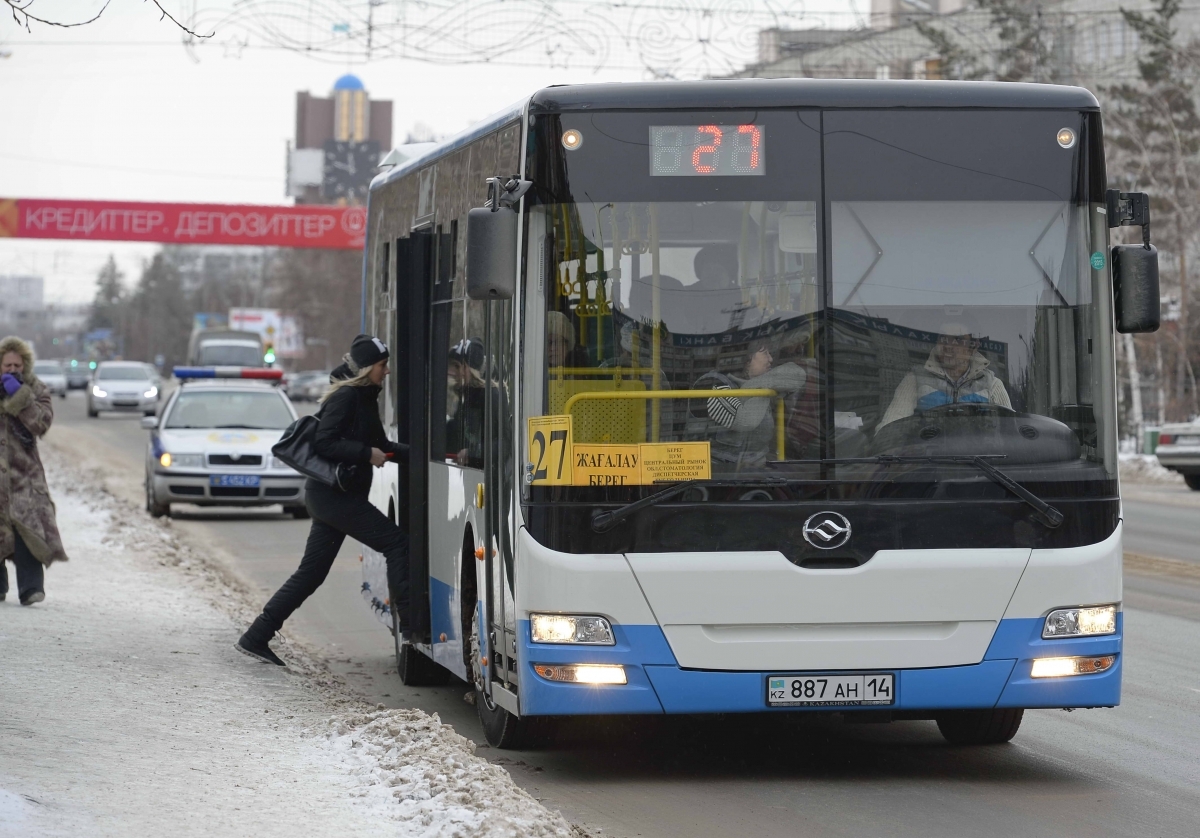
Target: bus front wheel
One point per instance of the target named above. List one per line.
(980, 727)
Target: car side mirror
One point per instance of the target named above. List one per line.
(149, 422)
(1135, 288)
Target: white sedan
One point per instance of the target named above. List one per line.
(212, 447)
(53, 375)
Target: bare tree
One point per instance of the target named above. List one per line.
(1153, 136)
(20, 10)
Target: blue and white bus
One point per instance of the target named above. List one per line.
(761, 396)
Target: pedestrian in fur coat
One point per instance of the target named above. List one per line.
(28, 532)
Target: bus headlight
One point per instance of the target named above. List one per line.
(1080, 622)
(582, 673)
(1059, 667)
(567, 628)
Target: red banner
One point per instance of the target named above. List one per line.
(337, 228)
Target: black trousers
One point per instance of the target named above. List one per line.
(337, 514)
(31, 574)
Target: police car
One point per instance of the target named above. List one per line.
(211, 445)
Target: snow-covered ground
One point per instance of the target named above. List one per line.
(125, 711)
(1145, 468)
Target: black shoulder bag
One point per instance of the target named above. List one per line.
(297, 448)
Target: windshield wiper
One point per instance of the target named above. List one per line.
(248, 427)
(605, 521)
(1044, 512)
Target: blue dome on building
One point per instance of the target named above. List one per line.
(348, 82)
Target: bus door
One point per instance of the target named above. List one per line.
(497, 592)
(414, 277)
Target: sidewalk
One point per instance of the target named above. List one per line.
(125, 711)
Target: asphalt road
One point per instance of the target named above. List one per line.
(1133, 770)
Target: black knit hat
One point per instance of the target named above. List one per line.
(367, 351)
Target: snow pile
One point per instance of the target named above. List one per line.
(128, 712)
(414, 769)
(1145, 468)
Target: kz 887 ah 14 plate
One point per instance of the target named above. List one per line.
(871, 688)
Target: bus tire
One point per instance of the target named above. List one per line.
(980, 727)
(502, 729)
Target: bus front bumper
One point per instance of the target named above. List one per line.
(657, 684)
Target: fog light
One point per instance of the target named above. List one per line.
(582, 673)
(1081, 622)
(567, 628)
(1058, 667)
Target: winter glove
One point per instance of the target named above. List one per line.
(11, 383)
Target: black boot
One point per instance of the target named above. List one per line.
(254, 642)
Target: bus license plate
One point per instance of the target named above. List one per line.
(246, 480)
(872, 688)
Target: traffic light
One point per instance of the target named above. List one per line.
(269, 353)
(91, 365)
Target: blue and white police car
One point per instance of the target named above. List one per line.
(211, 445)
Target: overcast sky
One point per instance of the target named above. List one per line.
(118, 110)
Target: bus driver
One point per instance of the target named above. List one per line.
(955, 372)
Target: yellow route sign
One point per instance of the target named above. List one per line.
(607, 465)
(549, 461)
(675, 461)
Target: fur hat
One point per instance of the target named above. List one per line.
(12, 343)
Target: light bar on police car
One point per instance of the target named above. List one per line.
(228, 372)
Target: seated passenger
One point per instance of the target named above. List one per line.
(561, 350)
(715, 304)
(741, 430)
(954, 373)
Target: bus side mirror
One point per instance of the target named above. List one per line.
(491, 253)
(1135, 288)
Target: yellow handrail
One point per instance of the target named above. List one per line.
(780, 430)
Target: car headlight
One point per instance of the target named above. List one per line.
(168, 460)
(97, 392)
(151, 393)
(280, 464)
(566, 628)
(1081, 622)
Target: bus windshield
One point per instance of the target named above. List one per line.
(948, 307)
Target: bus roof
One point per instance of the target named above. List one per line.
(811, 93)
(762, 93)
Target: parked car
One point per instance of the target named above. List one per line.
(1179, 450)
(53, 376)
(212, 447)
(122, 386)
(309, 386)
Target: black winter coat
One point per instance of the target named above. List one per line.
(349, 428)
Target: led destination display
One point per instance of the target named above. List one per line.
(707, 150)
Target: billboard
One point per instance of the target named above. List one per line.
(327, 227)
(282, 331)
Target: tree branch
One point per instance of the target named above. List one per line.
(22, 16)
